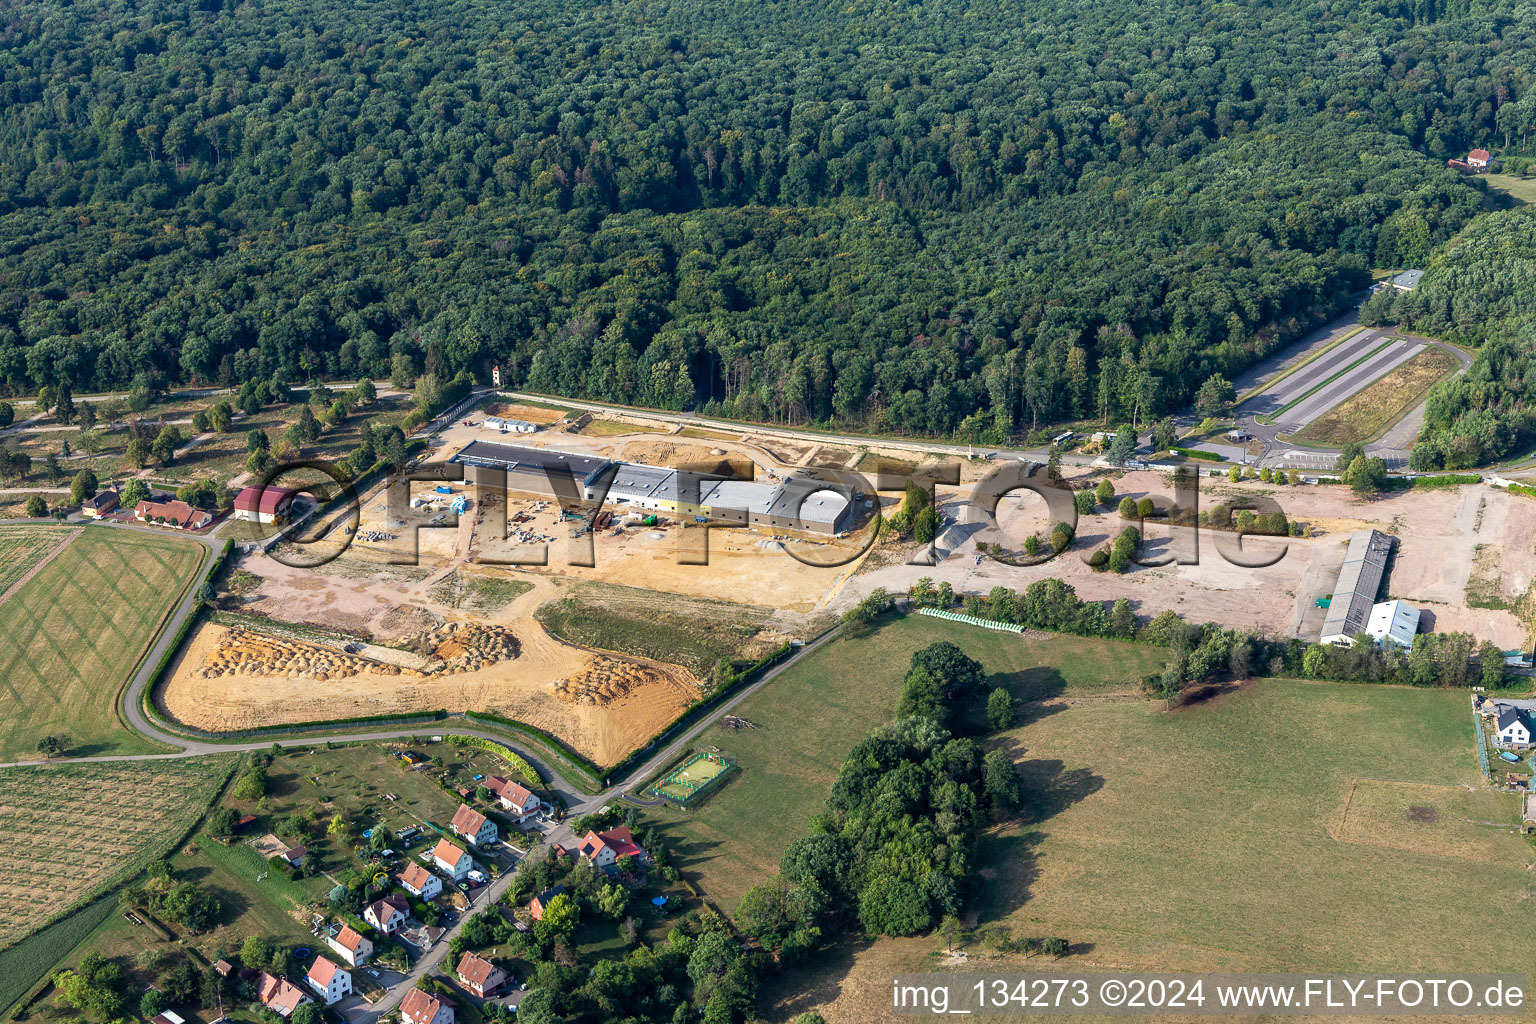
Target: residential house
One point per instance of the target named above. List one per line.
(351, 945)
(604, 849)
(332, 982)
(539, 902)
(451, 859)
(388, 915)
(480, 976)
(473, 826)
(264, 504)
(1479, 159)
(279, 995)
(102, 503)
(177, 515)
(420, 882)
(1513, 727)
(420, 1008)
(517, 800)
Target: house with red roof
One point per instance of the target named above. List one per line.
(1478, 159)
(419, 1007)
(538, 903)
(264, 504)
(351, 945)
(451, 859)
(177, 515)
(517, 800)
(420, 882)
(473, 826)
(604, 849)
(480, 976)
(279, 995)
(388, 915)
(331, 981)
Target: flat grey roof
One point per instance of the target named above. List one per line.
(513, 457)
(1359, 579)
(634, 481)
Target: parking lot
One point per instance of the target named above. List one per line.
(1293, 407)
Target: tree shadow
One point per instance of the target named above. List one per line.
(1050, 788)
(1009, 856)
(793, 992)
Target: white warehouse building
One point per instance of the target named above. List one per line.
(1395, 622)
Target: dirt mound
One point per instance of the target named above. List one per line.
(448, 650)
(695, 457)
(604, 680)
(464, 647)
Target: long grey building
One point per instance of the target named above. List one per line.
(1365, 563)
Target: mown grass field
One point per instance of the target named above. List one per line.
(1521, 190)
(22, 547)
(70, 637)
(810, 717)
(691, 632)
(1368, 413)
(1216, 838)
(73, 829)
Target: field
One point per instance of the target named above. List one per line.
(72, 829)
(71, 635)
(812, 715)
(685, 631)
(477, 593)
(22, 548)
(1367, 414)
(1286, 826)
(1521, 190)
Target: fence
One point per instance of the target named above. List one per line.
(942, 613)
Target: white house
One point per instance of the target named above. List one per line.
(473, 826)
(1513, 727)
(264, 504)
(479, 975)
(420, 1008)
(330, 981)
(451, 859)
(420, 882)
(387, 915)
(517, 800)
(351, 945)
(1393, 621)
(605, 848)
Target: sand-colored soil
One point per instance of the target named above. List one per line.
(527, 413)
(699, 458)
(603, 707)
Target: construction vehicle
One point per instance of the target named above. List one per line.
(648, 521)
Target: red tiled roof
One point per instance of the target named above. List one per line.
(415, 876)
(447, 852)
(323, 971)
(262, 499)
(1479, 154)
(348, 938)
(509, 791)
(475, 970)
(620, 840)
(419, 1006)
(467, 821)
(178, 511)
(279, 993)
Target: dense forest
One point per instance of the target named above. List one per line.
(1479, 291)
(973, 215)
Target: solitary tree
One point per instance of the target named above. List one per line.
(1000, 710)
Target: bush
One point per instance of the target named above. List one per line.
(1145, 509)
(1105, 492)
(1084, 502)
(1128, 508)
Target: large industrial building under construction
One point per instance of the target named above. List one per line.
(796, 503)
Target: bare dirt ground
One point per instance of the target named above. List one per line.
(527, 413)
(603, 707)
(1438, 533)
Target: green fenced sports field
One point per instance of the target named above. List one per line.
(71, 635)
(699, 773)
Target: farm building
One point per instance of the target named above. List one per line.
(102, 503)
(420, 1008)
(264, 504)
(177, 515)
(351, 945)
(798, 503)
(1395, 622)
(388, 915)
(479, 975)
(420, 882)
(451, 859)
(473, 826)
(517, 800)
(1365, 563)
(331, 982)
